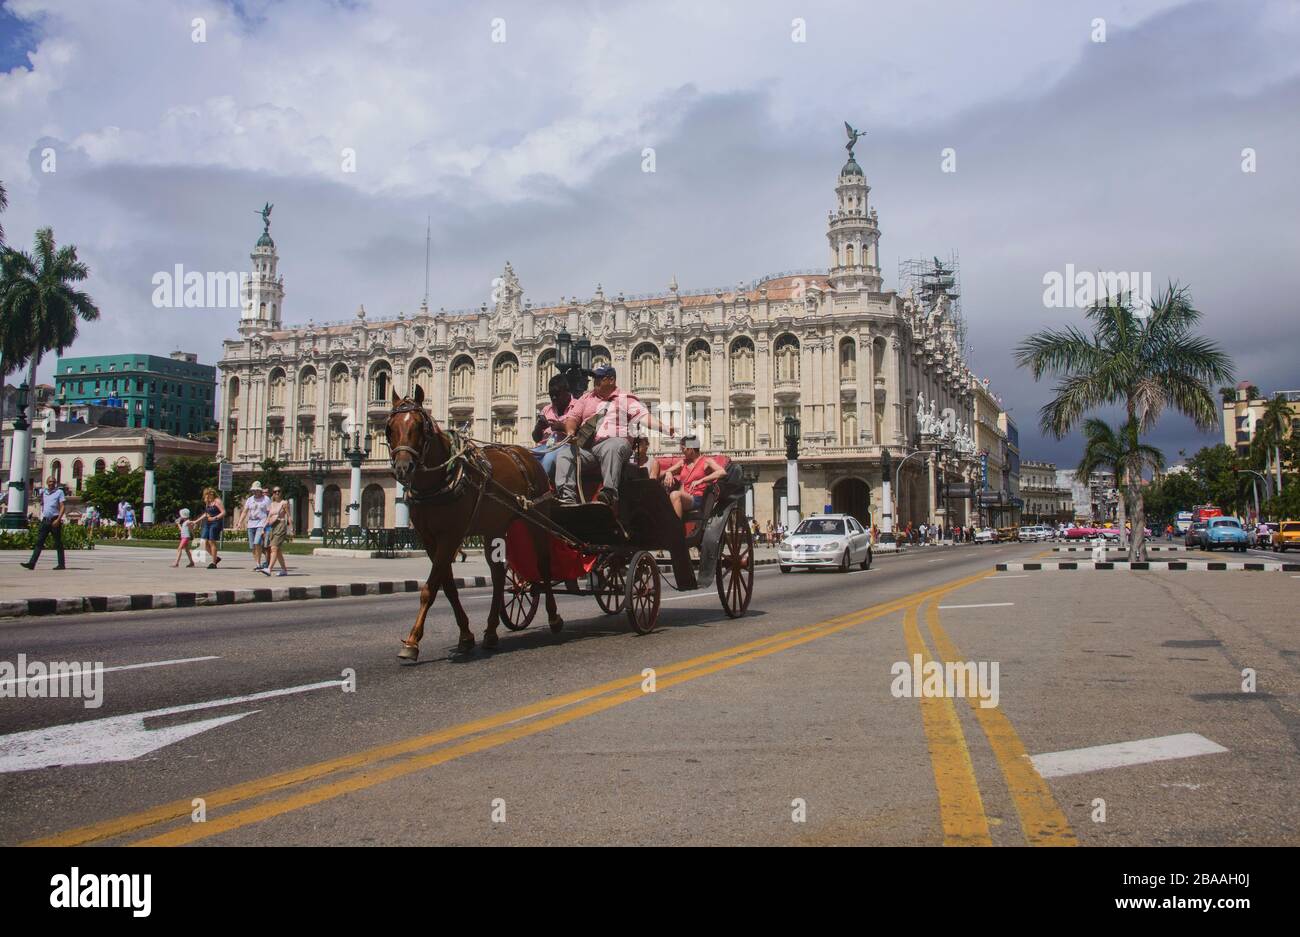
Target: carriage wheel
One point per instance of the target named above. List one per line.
(610, 586)
(642, 592)
(519, 601)
(735, 576)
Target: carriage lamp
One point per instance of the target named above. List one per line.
(583, 350)
(792, 437)
(563, 350)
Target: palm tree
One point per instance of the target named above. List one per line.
(4, 203)
(1145, 365)
(1271, 428)
(39, 304)
(1123, 454)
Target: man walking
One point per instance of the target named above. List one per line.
(253, 517)
(53, 505)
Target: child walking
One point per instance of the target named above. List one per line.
(187, 531)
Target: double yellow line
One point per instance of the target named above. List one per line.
(287, 791)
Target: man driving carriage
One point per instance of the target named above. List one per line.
(549, 428)
(617, 416)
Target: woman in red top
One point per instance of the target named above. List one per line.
(694, 472)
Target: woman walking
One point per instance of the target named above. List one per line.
(214, 516)
(277, 525)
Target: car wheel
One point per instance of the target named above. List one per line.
(844, 562)
(866, 564)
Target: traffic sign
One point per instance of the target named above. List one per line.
(225, 476)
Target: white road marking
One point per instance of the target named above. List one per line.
(121, 738)
(1016, 576)
(1124, 754)
(157, 663)
(983, 605)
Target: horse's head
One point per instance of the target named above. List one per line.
(412, 435)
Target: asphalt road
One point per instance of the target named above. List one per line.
(780, 727)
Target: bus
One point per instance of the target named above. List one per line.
(1183, 521)
(1205, 511)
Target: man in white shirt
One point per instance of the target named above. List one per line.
(253, 516)
(53, 505)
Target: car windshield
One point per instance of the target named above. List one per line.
(821, 525)
(1226, 522)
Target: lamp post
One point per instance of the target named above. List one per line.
(19, 453)
(886, 497)
(573, 360)
(356, 447)
(750, 475)
(147, 511)
(317, 469)
(792, 472)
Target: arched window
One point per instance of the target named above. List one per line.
(77, 470)
(787, 359)
(848, 255)
(505, 376)
(333, 510)
(232, 397)
(645, 369)
(848, 360)
(421, 377)
(307, 388)
(372, 507)
(100, 466)
(339, 386)
(545, 371)
(849, 427)
(742, 361)
(698, 359)
(742, 428)
(56, 469)
(378, 439)
(600, 356)
(503, 429)
(462, 379)
(381, 382)
(275, 388)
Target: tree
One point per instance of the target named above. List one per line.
(1273, 426)
(39, 304)
(1118, 451)
(1213, 467)
(1174, 493)
(1145, 365)
(4, 203)
(179, 483)
(105, 490)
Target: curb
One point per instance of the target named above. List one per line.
(146, 601)
(1149, 550)
(1154, 566)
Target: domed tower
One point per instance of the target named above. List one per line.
(852, 231)
(263, 291)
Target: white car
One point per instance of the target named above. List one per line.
(833, 541)
(986, 535)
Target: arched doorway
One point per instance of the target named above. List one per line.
(333, 507)
(852, 496)
(372, 507)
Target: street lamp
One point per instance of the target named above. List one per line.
(356, 447)
(573, 360)
(317, 469)
(792, 471)
(750, 475)
(20, 451)
(149, 484)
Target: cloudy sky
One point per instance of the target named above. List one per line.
(1125, 154)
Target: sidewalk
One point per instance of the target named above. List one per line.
(115, 579)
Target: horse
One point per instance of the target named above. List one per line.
(455, 488)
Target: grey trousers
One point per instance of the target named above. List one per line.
(612, 454)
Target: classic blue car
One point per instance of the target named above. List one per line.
(1226, 533)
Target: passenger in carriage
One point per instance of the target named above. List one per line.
(549, 428)
(621, 415)
(695, 473)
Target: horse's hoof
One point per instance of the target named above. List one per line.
(465, 645)
(409, 652)
(490, 640)
(557, 625)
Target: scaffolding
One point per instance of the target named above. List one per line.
(931, 277)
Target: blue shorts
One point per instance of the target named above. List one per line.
(697, 501)
(211, 530)
(256, 536)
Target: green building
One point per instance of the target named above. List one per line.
(173, 394)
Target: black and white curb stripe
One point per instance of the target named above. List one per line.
(1119, 549)
(145, 601)
(1154, 566)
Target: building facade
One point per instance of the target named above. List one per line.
(833, 348)
(175, 394)
(1045, 501)
(1241, 414)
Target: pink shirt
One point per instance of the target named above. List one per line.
(624, 411)
(548, 413)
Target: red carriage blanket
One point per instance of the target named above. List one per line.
(566, 562)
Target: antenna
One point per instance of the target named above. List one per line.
(427, 222)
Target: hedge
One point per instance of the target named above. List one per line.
(74, 538)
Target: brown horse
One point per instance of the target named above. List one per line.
(456, 488)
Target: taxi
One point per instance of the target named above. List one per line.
(1288, 535)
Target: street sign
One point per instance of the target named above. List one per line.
(225, 476)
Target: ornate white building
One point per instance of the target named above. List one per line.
(830, 347)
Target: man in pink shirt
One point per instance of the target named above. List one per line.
(550, 423)
(623, 414)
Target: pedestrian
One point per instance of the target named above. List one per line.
(214, 517)
(252, 517)
(186, 527)
(54, 504)
(121, 511)
(278, 530)
(128, 520)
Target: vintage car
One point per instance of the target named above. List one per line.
(1287, 536)
(1225, 533)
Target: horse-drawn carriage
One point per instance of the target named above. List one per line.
(456, 486)
(614, 550)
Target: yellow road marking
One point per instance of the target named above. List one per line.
(280, 781)
(1042, 821)
(961, 810)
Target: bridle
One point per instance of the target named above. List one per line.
(428, 428)
(454, 481)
